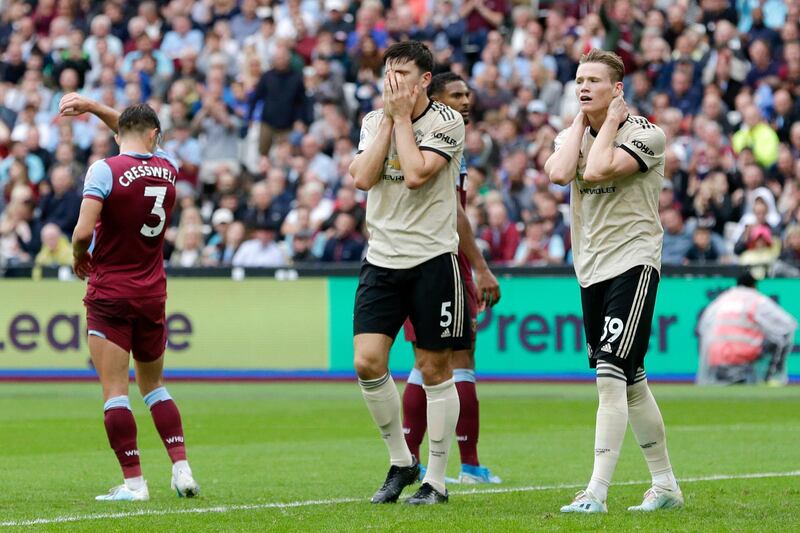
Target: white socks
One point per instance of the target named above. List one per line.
(443, 409)
(383, 402)
(612, 421)
(648, 426)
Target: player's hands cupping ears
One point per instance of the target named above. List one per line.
(73, 104)
(398, 97)
(617, 109)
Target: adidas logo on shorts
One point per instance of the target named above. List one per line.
(606, 348)
(446, 333)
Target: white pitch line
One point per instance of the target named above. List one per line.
(309, 503)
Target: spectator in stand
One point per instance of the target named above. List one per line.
(502, 235)
(188, 247)
(262, 209)
(677, 237)
(181, 38)
(56, 250)
(757, 135)
(345, 244)
(346, 203)
(261, 250)
(703, 250)
(791, 247)
(281, 94)
(62, 204)
(538, 247)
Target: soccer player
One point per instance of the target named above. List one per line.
(409, 160)
(615, 162)
(127, 202)
(451, 90)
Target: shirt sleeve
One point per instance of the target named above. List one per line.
(98, 181)
(368, 131)
(646, 145)
(446, 138)
(169, 157)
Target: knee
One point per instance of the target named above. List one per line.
(435, 369)
(368, 366)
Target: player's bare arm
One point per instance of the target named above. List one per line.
(367, 167)
(418, 166)
(82, 236)
(488, 288)
(605, 162)
(74, 104)
(562, 165)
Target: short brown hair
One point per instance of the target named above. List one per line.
(609, 59)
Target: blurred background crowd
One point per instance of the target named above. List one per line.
(261, 101)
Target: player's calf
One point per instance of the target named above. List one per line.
(121, 430)
(167, 420)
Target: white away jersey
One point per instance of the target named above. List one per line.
(408, 227)
(615, 224)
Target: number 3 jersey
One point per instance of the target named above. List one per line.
(615, 224)
(138, 193)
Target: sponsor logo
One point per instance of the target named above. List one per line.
(394, 164)
(648, 445)
(390, 177)
(131, 453)
(446, 333)
(442, 137)
(598, 190)
(174, 440)
(643, 147)
(606, 348)
(601, 451)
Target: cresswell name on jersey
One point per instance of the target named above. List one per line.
(145, 170)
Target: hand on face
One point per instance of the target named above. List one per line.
(398, 97)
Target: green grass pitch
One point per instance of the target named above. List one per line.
(306, 457)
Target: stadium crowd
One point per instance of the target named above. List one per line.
(261, 101)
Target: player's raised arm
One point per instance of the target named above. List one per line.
(74, 104)
(423, 162)
(605, 162)
(561, 167)
(376, 137)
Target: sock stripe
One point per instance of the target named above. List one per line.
(414, 377)
(158, 395)
(612, 376)
(374, 383)
(463, 374)
(117, 402)
(607, 367)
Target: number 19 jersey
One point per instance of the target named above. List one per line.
(138, 194)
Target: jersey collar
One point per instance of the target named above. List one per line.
(593, 132)
(137, 155)
(430, 103)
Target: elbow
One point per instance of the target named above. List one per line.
(594, 176)
(413, 181)
(361, 182)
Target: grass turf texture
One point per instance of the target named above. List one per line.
(258, 444)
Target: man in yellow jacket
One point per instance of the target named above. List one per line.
(56, 250)
(757, 135)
